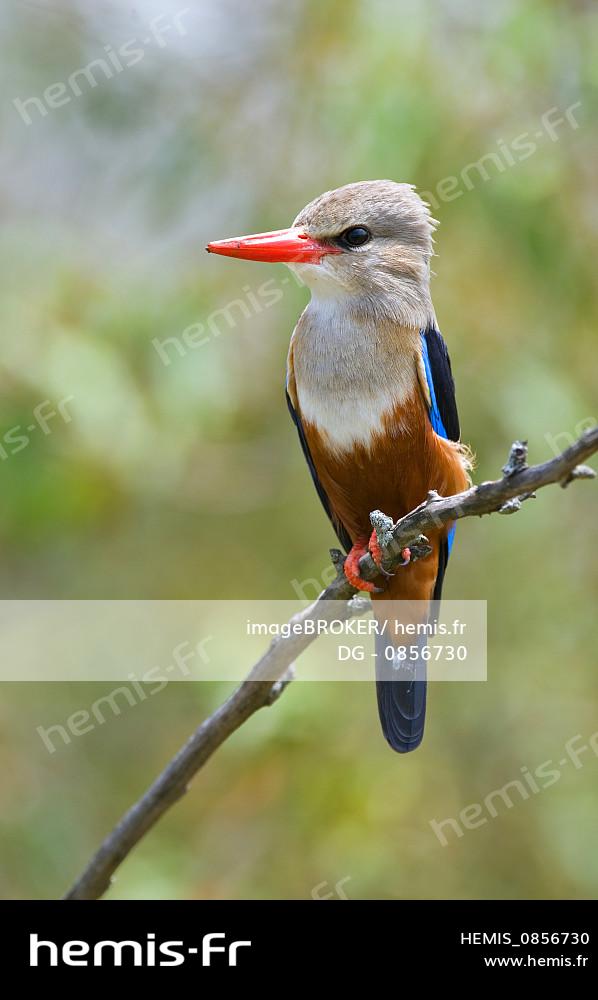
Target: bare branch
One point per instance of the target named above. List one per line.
(258, 690)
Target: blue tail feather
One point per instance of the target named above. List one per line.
(401, 693)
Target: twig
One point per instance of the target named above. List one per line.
(258, 690)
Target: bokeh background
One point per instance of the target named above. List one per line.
(184, 479)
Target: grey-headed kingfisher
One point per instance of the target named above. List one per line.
(370, 389)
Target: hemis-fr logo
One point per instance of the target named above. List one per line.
(214, 949)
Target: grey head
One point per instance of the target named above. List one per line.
(385, 232)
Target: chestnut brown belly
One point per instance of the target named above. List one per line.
(393, 473)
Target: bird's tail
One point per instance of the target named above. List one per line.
(410, 601)
(401, 691)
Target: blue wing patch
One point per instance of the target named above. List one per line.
(435, 417)
(443, 407)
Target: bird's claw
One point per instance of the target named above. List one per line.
(377, 555)
(351, 568)
(360, 548)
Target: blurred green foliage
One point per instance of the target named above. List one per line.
(185, 479)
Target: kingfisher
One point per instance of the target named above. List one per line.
(370, 389)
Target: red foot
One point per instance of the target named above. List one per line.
(359, 549)
(352, 567)
(375, 550)
(377, 555)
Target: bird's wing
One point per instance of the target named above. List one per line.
(439, 377)
(442, 410)
(291, 394)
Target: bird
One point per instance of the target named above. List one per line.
(370, 389)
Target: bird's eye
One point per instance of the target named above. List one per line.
(356, 236)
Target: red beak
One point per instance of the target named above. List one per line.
(284, 246)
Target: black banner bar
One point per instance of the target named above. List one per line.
(228, 941)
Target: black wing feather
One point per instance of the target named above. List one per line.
(341, 532)
(444, 391)
(444, 385)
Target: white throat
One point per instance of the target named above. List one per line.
(351, 369)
